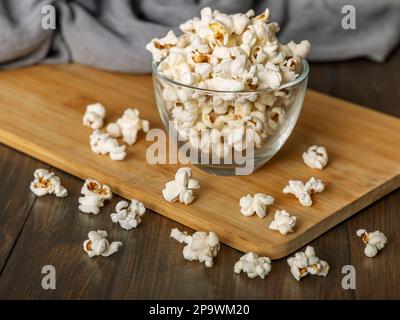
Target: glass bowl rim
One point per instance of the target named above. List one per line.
(303, 75)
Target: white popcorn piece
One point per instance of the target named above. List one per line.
(316, 157)
(304, 263)
(94, 195)
(128, 126)
(216, 36)
(374, 241)
(128, 215)
(303, 191)
(283, 222)
(97, 244)
(46, 182)
(182, 187)
(300, 50)
(94, 116)
(275, 118)
(102, 143)
(253, 265)
(255, 204)
(201, 246)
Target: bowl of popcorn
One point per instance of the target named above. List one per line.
(227, 90)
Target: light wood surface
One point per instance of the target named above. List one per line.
(41, 111)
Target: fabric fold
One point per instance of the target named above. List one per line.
(112, 35)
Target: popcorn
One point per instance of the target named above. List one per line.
(128, 126)
(94, 116)
(300, 50)
(303, 191)
(103, 143)
(181, 188)
(97, 244)
(94, 195)
(228, 54)
(201, 246)
(46, 182)
(316, 157)
(304, 263)
(374, 241)
(128, 215)
(275, 118)
(256, 204)
(283, 222)
(269, 76)
(253, 265)
(160, 47)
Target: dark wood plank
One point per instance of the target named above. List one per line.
(16, 200)
(151, 266)
(378, 277)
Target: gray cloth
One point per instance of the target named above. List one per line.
(112, 34)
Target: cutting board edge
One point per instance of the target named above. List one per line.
(275, 252)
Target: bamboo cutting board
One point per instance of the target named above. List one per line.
(41, 110)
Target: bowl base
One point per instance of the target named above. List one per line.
(230, 170)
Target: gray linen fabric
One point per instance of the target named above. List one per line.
(112, 34)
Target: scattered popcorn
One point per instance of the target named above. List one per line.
(256, 204)
(283, 222)
(374, 241)
(103, 143)
(128, 126)
(232, 53)
(303, 191)
(253, 265)
(316, 157)
(128, 215)
(46, 182)
(181, 188)
(97, 244)
(304, 263)
(94, 116)
(94, 195)
(200, 245)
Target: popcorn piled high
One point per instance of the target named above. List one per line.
(253, 265)
(182, 187)
(103, 143)
(228, 53)
(47, 182)
(303, 191)
(94, 116)
(94, 195)
(200, 245)
(374, 241)
(128, 126)
(257, 204)
(316, 157)
(128, 215)
(283, 222)
(97, 244)
(304, 263)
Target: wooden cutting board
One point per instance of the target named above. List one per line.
(41, 110)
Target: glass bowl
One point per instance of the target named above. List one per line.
(217, 149)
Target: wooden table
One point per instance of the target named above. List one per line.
(151, 265)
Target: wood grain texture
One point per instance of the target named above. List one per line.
(45, 122)
(154, 264)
